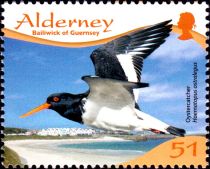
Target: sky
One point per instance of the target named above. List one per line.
(34, 71)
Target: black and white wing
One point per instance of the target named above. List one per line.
(122, 58)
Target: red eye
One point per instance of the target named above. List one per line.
(56, 99)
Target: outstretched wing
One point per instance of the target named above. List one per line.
(122, 58)
(119, 95)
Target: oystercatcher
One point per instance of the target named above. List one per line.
(109, 103)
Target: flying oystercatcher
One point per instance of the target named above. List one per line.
(109, 103)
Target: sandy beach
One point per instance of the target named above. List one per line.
(48, 152)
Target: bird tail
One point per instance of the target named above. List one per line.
(154, 125)
(176, 131)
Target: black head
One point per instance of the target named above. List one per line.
(62, 102)
(59, 100)
(66, 104)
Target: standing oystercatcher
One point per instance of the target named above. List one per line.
(109, 103)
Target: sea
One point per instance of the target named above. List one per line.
(116, 147)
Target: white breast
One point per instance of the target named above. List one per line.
(118, 120)
(91, 112)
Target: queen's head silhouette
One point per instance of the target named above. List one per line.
(186, 23)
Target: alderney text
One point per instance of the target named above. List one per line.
(51, 22)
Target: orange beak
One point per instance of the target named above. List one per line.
(39, 108)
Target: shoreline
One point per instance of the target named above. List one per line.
(48, 152)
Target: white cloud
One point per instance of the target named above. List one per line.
(14, 96)
(147, 77)
(159, 92)
(37, 57)
(78, 81)
(174, 50)
(202, 115)
(202, 102)
(198, 130)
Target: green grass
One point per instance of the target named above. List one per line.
(11, 158)
(11, 130)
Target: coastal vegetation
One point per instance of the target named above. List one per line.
(11, 158)
(12, 130)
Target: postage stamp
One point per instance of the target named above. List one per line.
(105, 84)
